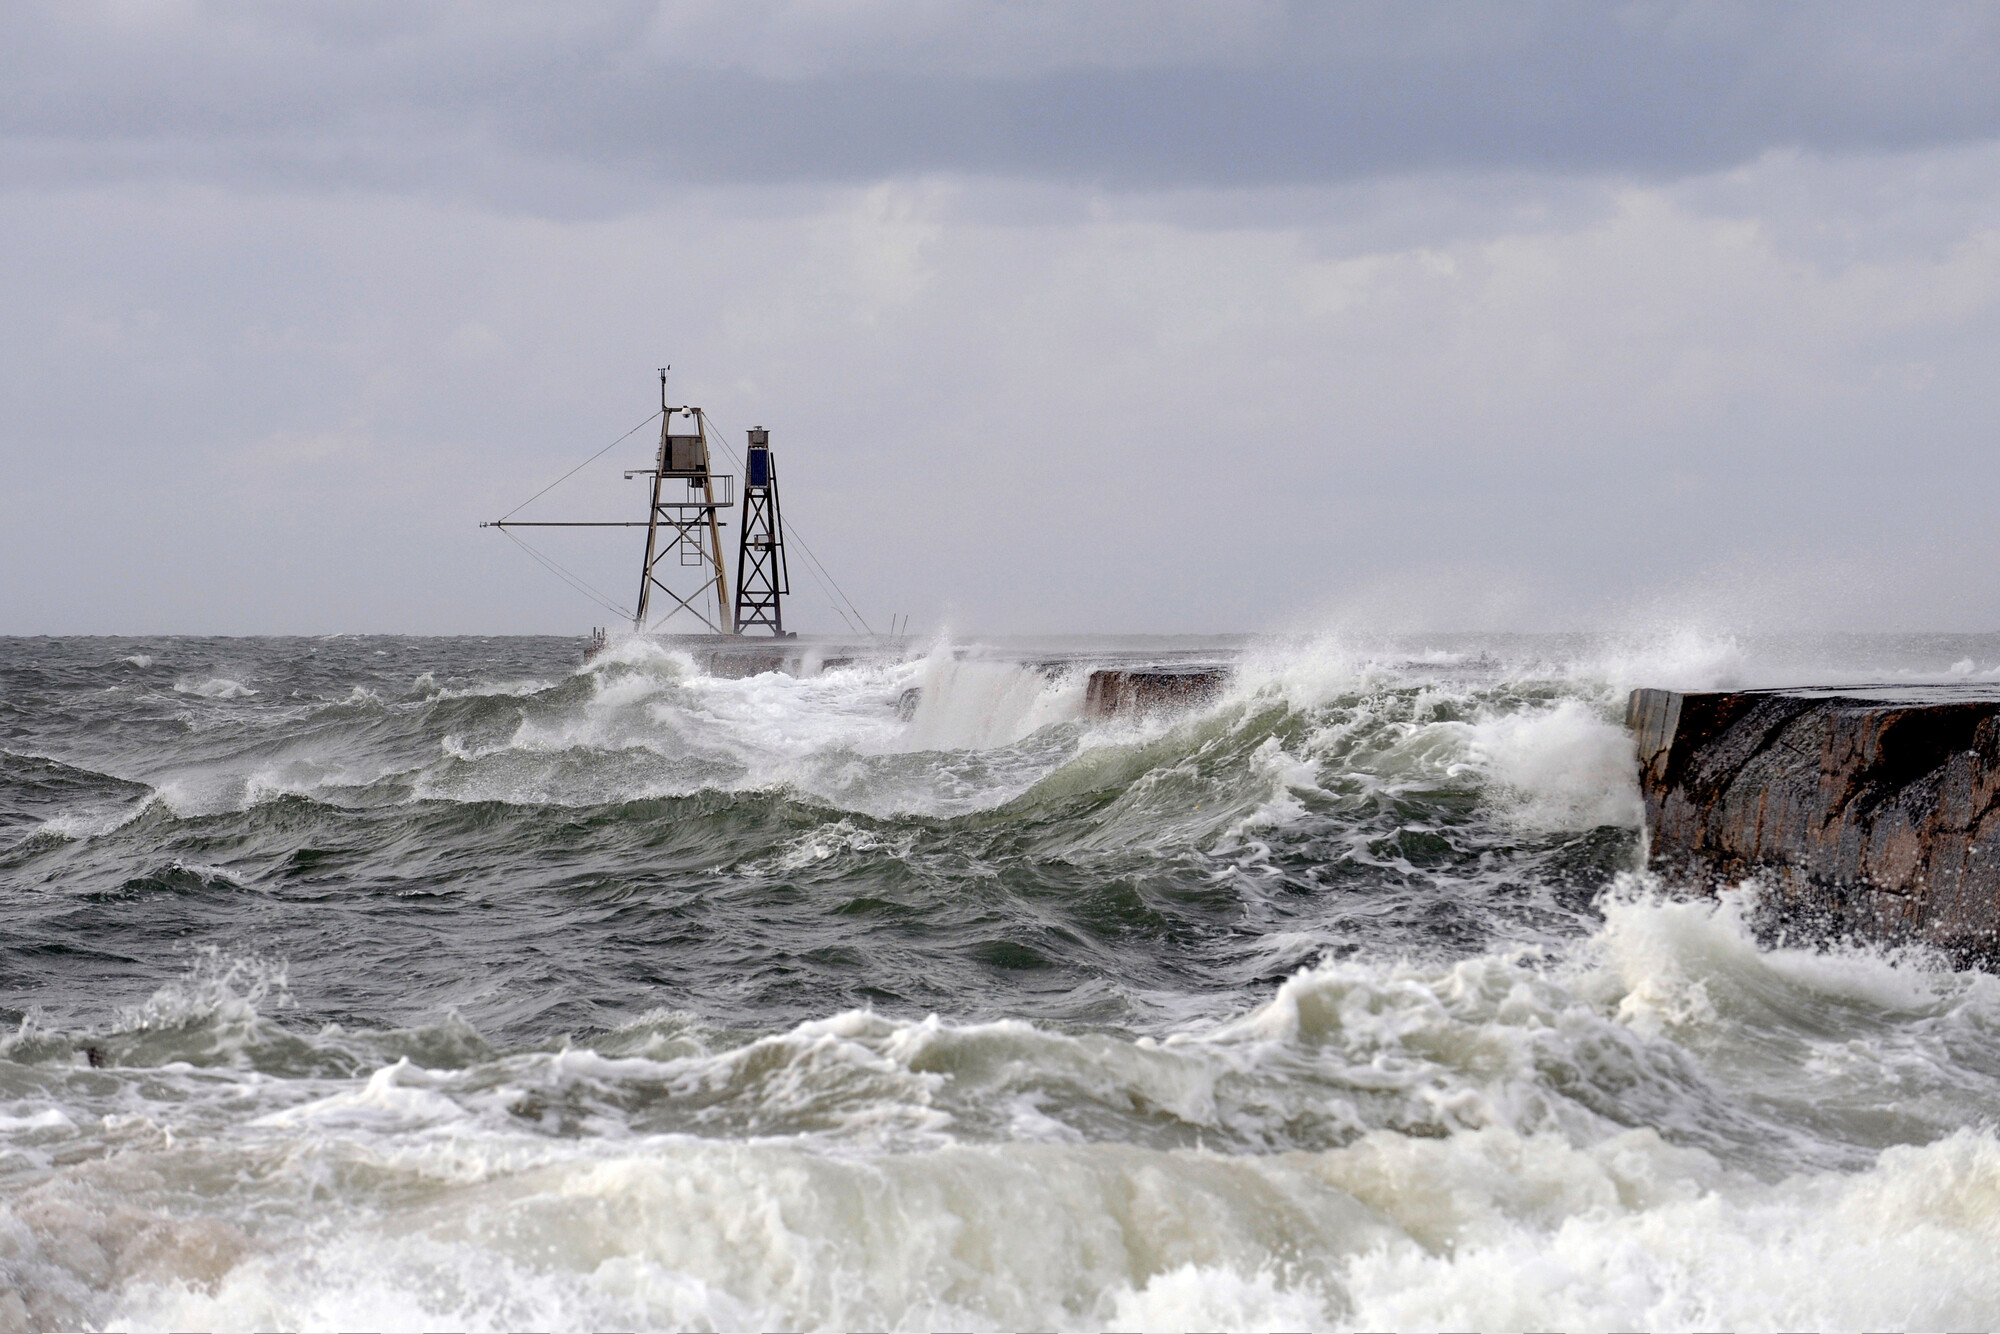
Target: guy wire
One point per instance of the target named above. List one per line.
(574, 581)
(578, 468)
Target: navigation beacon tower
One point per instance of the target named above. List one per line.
(683, 560)
(761, 575)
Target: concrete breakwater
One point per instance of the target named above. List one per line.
(1119, 692)
(1108, 691)
(1144, 687)
(1867, 811)
(1113, 692)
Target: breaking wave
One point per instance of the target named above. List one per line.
(1656, 1127)
(450, 984)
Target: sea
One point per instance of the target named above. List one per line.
(458, 983)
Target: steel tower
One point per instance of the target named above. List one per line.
(761, 575)
(684, 525)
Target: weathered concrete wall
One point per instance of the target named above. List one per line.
(1118, 692)
(1871, 811)
(753, 655)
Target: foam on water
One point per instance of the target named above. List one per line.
(214, 687)
(468, 992)
(970, 703)
(667, 729)
(83, 824)
(1564, 767)
(863, 1171)
(1551, 1237)
(1679, 658)
(836, 735)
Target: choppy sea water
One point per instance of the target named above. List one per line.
(445, 983)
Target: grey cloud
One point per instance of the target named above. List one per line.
(576, 107)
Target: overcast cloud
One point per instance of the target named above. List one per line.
(1196, 317)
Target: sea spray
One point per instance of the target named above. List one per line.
(451, 983)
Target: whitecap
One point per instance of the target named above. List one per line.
(213, 687)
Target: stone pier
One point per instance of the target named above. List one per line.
(1116, 692)
(1870, 811)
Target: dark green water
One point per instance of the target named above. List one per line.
(419, 982)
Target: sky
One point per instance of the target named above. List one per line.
(1174, 318)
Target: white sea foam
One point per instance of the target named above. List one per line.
(1564, 767)
(1593, 1149)
(1303, 675)
(827, 841)
(427, 688)
(1666, 1125)
(92, 823)
(1682, 658)
(1485, 1229)
(395, 1098)
(210, 873)
(224, 787)
(699, 1234)
(1568, 1239)
(216, 988)
(46, 1119)
(975, 703)
(1289, 776)
(652, 725)
(213, 687)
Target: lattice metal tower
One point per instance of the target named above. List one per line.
(684, 525)
(683, 560)
(761, 575)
